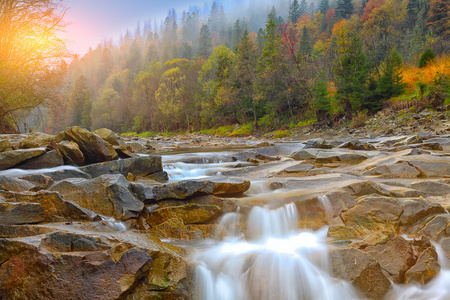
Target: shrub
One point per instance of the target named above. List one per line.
(426, 58)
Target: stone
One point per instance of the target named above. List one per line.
(343, 232)
(416, 209)
(399, 170)
(40, 181)
(176, 229)
(318, 143)
(214, 186)
(94, 148)
(395, 257)
(299, 168)
(49, 159)
(432, 168)
(9, 159)
(5, 145)
(15, 184)
(71, 152)
(36, 140)
(140, 166)
(109, 136)
(21, 213)
(436, 228)
(366, 188)
(187, 214)
(357, 145)
(303, 155)
(70, 242)
(445, 244)
(373, 213)
(432, 187)
(107, 195)
(425, 269)
(56, 209)
(360, 269)
(15, 231)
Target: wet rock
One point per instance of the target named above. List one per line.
(9, 159)
(445, 244)
(36, 140)
(318, 143)
(137, 147)
(431, 168)
(425, 269)
(107, 195)
(94, 148)
(343, 232)
(416, 209)
(14, 231)
(187, 214)
(299, 168)
(21, 213)
(109, 136)
(357, 145)
(214, 186)
(40, 181)
(70, 242)
(436, 228)
(359, 268)
(395, 257)
(71, 152)
(373, 213)
(14, 184)
(176, 229)
(5, 145)
(68, 172)
(372, 239)
(303, 155)
(140, 166)
(366, 188)
(399, 170)
(49, 159)
(56, 209)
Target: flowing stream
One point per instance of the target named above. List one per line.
(271, 258)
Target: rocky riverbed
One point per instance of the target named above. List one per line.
(90, 215)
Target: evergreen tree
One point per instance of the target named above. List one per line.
(344, 8)
(294, 11)
(324, 6)
(303, 7)
(80, 104)
(426, 58)
(322, 105)
(205, 42)
(305, 48)
(390, 83)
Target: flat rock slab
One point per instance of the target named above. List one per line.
(9, 159)
(187, 214)
(214, 186)
(21, 213)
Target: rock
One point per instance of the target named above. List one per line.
(431, 168)
(14, 231)
(214, 186)
(141, 166)
(71, 152)
(21, 213)
(343, 232)
(445, 244)
(416, 209)
(9, 159)
(14, 184)
(318, 143)
(36, 140)
(56, 209)
(69, 242)
(137, 147)
(5, 145)
(361, 270)
(436, 228)
(187, 214)
(175, 229)
(40, 181)
(109, 136)
(399, 170)
(50, 159)
(425, 269)
(94, 148)
(413, 140)
(372, 239)
(431, 187)
(107, 195)
(366, 188)
(357, 145)
(303, 155)
(395, 257)
(373, 213)
(299, 168)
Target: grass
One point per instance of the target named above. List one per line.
(412, 75)
(279, 134)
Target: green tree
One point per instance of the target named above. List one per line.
(205, 42)
(30, 51)
(305, 48)
(294, 11)
(80, 104)
(390, 83)
(322, 104)
(324, 6)
(426, 58)
(344, 8)
(303, 7)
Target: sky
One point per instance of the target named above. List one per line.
(93, 21)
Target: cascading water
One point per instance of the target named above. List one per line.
(276, 261)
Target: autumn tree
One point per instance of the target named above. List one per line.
(30, 50)
(439, 17)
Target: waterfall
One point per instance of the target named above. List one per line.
(275, 261)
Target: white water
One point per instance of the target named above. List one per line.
(277, 261)
(21, 172)
(183, 171)
(114, 224)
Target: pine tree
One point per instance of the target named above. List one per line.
(390, 83)
(344, 8)
(205, 42)
(324, 6)
(305, 48)
(303, 7)
(80, 104)
(322, 105)
(294, 11)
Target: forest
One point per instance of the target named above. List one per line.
(323, 62)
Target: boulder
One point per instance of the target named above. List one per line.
(436, 228)
(416, 209)
(425, 269)
(432, 168)
(94, 148)
(40, 181)
(14, 184)
(15, 231)
(187, 214)
(56, 209)
(303, 155)
(399, 170)
(5, 145)
(71, 152)
(445, 244)
(343, 232)
(140, 166)
(49, 159)
(432, 187)
(357, 145)
(70, 242)
(395, 257)
(9, 159)
(21, 213)
(176, 229)
(299, 168)
(366, 188)
(109, 136)
(107, 195)
(360, 269)
(373, 213)
(66, 173)
(221, 186)
(36, 140)
(318, 143)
